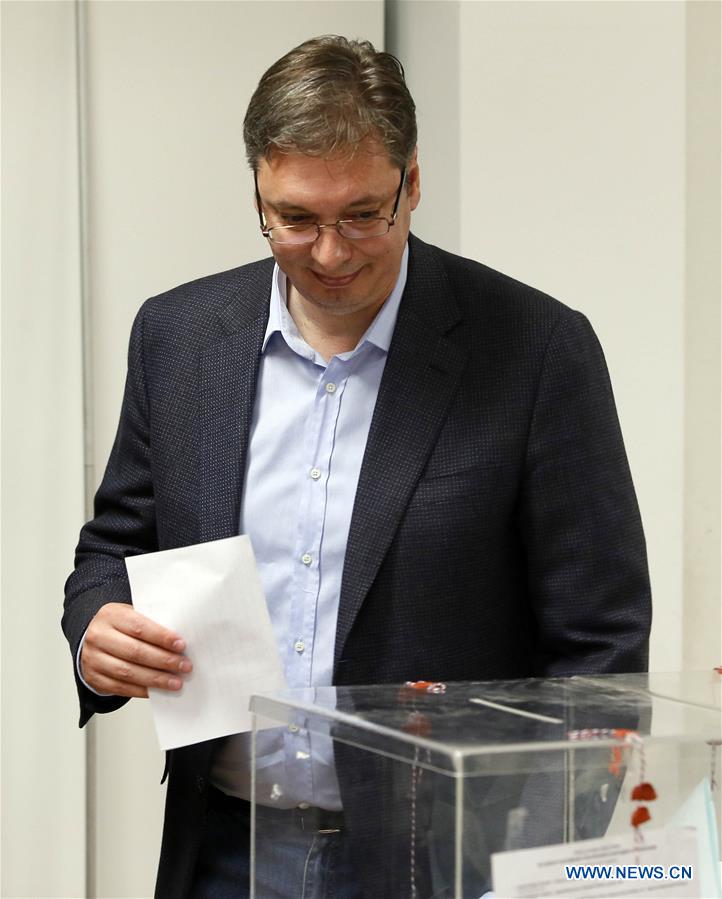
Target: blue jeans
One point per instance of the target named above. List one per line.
(290, 863)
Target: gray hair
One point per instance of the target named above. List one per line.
(328, 95)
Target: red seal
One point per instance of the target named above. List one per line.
(640, 816)
(644, 792)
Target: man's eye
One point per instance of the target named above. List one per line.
(365, 216)
(295, 219)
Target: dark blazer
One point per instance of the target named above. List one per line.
(495, 531)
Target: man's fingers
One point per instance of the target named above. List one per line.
(135, 651)
(125, 618)
(125, 672)
(118, 688)
(111, 675)
(125, 653)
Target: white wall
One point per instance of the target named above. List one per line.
(702, 616)
(43, 752)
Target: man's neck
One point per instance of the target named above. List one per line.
(326, 333)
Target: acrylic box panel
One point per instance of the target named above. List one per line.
(423, 786)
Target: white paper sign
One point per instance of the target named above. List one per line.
(211, 595)
(698, 811)
(652, 863)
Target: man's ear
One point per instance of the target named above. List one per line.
(413, 180)
(257, 198)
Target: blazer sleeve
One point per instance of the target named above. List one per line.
(123, 523)
(586, 558)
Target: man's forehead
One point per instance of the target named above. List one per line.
(297, 178)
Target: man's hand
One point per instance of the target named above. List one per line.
(124, 653)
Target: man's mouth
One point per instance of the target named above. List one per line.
(343, 281)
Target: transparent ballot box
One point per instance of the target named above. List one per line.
(584, 786)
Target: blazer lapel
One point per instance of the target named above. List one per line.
(228, 371)
(420, 378)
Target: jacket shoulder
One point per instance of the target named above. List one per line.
(481, 291)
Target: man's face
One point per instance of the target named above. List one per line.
(337, 275)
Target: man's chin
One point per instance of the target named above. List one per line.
(337, 304)
(335, 301)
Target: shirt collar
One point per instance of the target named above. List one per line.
(378, 333)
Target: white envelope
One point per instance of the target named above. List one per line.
(211, 595)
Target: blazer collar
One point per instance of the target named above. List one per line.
(228, 373)
(251, 298)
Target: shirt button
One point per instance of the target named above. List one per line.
(330, 388)
(299, 645)
(293, 728)
(303, 806)
(315, 473)
(306, 559)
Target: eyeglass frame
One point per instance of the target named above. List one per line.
(266, 231)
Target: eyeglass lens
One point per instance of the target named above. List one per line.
(355, 230)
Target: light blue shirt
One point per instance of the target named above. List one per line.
(310, 424)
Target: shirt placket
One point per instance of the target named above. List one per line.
(318, 442)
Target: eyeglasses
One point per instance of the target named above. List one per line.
(307, 232)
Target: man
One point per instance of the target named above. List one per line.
(425, 454)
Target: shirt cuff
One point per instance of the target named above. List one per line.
(79, 669)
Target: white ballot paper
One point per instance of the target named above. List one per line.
(211, 595)
(652, 863)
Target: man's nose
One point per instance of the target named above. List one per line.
(330, 250)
